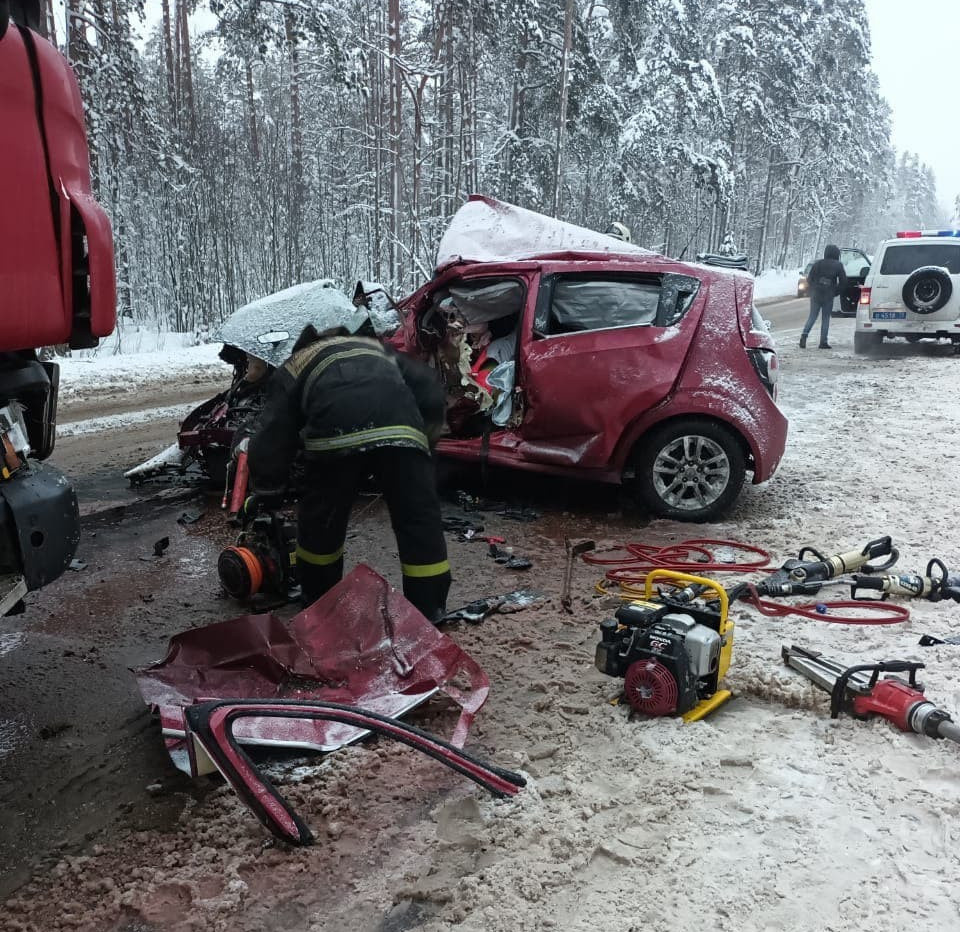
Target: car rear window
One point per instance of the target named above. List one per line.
(902, 260)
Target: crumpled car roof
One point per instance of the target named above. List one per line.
(268, 327)
(487, 230)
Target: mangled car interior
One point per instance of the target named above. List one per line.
(471, 330)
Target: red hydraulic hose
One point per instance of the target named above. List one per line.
(883, 613)
(689, 556)
(697, 556)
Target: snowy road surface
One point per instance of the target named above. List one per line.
(766, 816)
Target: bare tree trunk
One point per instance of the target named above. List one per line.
(252, 113)
(76, 33)
(396, 129)
(49, 21)
(376, 156)
(185, 66)
(765, 215)
(564, 93)
(168, 56)
(296, 145)
(177, 89)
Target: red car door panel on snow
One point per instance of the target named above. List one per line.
(599, 350)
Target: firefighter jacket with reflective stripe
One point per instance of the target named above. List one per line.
(343, 395)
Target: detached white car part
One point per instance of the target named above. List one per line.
(912, 290)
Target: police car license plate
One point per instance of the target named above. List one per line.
(889, 315)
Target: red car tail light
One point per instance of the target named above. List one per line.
(767, 367)
(865, 295)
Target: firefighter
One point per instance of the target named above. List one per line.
(356, 410)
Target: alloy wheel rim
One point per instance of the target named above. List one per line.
(691, 472)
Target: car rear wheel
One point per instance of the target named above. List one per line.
(864, 343)
(689, 470)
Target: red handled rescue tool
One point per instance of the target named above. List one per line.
(860, 691)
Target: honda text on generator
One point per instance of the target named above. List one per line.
(672, 649)
(56, 287)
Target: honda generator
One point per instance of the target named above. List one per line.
(672, 648)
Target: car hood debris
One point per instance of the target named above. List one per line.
(360, 644)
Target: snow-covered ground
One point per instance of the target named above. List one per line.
(113, 422)
(768, 816)
(126, 373)
(776, 283)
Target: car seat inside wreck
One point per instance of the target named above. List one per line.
(470, 331)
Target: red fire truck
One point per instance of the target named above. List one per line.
(56, 287)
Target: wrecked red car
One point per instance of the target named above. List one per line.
(571, 353)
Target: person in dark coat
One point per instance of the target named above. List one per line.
(826, 279)
(356, 410)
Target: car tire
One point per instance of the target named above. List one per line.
(864, 343)
(689, 470)
(927, 290)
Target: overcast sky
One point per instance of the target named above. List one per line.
(915, 50)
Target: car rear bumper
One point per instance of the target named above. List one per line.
(909, 326)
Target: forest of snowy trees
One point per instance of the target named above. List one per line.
(299, 139)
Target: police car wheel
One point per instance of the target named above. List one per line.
(689, 470)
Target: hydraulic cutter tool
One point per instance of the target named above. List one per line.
(860, 691)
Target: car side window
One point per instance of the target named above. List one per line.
(579, 304)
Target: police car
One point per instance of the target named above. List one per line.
(912, 290)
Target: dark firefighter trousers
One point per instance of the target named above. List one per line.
(407, 479)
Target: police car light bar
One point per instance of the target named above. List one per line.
(913, 234)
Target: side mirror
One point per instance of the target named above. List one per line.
(864, 272)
